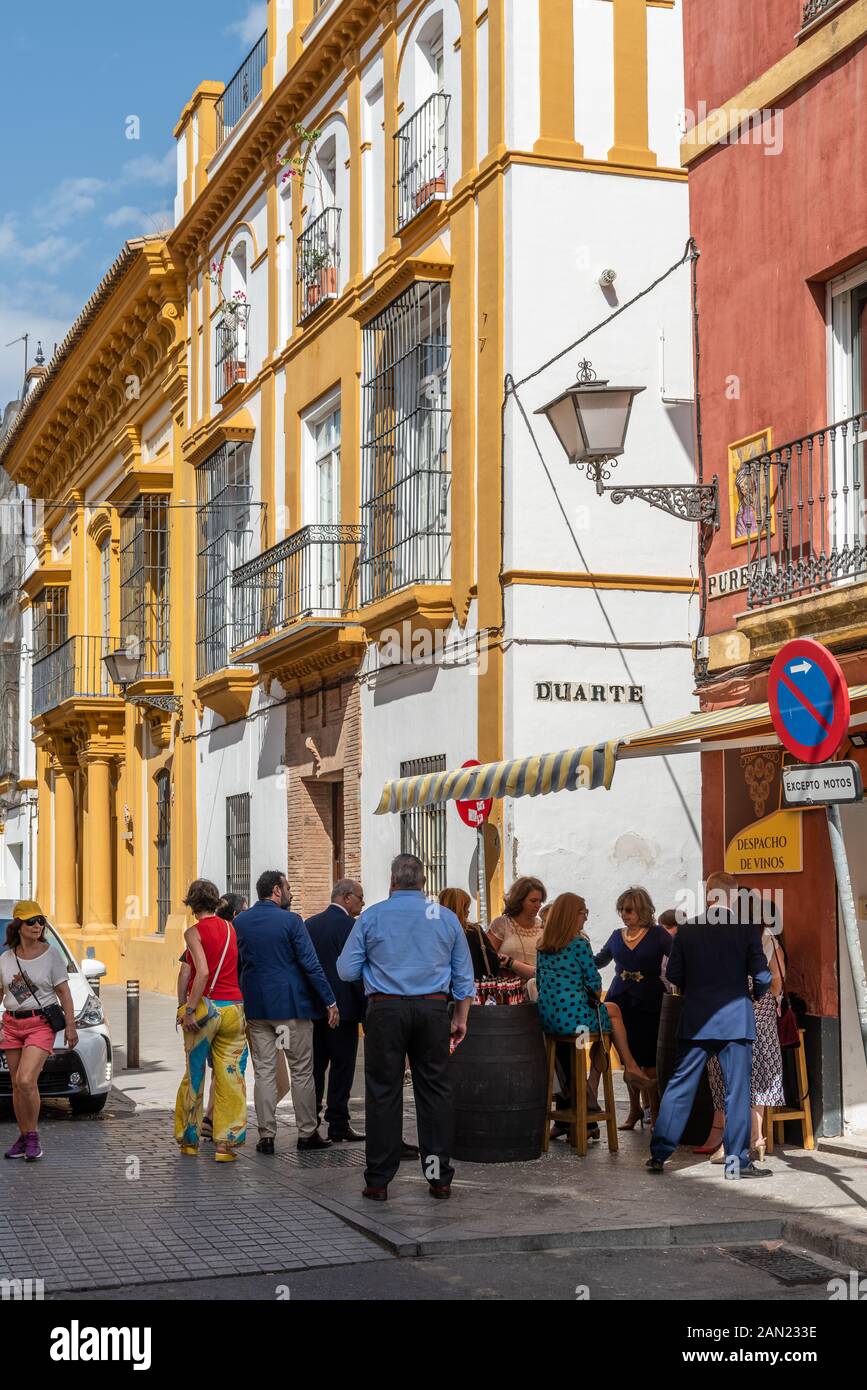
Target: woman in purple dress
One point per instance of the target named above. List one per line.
(637, 950)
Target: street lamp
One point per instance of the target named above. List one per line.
(125, 667)
(591, 419)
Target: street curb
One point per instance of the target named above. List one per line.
(825, 1237)
(633, 1237)
(847, 1149)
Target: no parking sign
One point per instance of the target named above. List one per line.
(809, 700)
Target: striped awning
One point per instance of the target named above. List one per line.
(593, 765)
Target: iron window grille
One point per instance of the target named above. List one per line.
(73, 670)
(230, 357)
(144, 581)
(238, 844)
(164, 850)
(318, 264)
(242, 89)
(423, 828)
(50, 621)
(422, 158)
(223, 496)
(406, 482)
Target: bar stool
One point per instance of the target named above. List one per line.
(577, 1116)
(778, 1114)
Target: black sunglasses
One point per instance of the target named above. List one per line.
(34, 922)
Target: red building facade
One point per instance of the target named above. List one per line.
(776, 148)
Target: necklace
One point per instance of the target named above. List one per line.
(633, 936)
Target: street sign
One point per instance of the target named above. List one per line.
(830, 784)
(474, 813)
(809, 700)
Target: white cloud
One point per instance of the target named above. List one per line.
(48, 254)
(147, 168)
(134, 221)
(42, 328)
(252, 26)
(70, 200)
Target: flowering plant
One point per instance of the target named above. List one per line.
(239, 298)
(293, 165)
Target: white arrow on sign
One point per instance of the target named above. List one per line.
(801, 670)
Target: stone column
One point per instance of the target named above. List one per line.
(97, 844)
(65, 872)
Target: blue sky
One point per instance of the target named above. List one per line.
(73, 187)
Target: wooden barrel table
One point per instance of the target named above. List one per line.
(667, 1050)
(498, 1078)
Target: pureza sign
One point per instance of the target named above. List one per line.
(825, 784)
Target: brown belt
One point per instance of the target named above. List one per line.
(407, 996)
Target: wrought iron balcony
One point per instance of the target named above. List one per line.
(813, 9)
(76, 671)
(801, 507)
(241, 90)
(230, 358)
(312, 574)
(422, 158)
(318, 271)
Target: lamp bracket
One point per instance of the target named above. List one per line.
(170, 704)
(696, 502)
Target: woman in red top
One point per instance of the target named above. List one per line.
(214, 1025)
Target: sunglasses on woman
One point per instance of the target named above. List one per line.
(34, 922)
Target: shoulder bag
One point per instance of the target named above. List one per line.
(787, 1021)
(52, 1013)
(206, 1009)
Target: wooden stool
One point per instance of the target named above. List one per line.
(778, 1114)
(576, 1116)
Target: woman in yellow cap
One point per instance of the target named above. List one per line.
(35, 986)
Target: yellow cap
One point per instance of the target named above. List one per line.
(24, 911)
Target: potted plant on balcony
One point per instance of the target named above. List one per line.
(318, 274)
(433, 188)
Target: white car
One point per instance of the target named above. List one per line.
(81, 1075)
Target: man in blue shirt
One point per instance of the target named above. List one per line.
(409, 952)
(284, 989)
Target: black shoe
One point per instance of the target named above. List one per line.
(593, 1134)
(314, 1141)
(751, 1171)
(375, 1194)
(558, 1129)
(408, 1150)
(265, 1146)
(346, 1136)
(440, 1190)
(655, 1165)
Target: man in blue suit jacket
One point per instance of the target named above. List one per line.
(709, 963)
(284, 989)
(335, 1049)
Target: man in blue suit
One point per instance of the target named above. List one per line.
(284, 989)
(709, 963)
(335, 1049)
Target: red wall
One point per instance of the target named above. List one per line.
(771, 230)
(729, 42)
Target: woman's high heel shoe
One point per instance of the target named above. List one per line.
(757, 1150)
(636, 1112)
(719, 1155)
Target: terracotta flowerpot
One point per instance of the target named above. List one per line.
(434, 188)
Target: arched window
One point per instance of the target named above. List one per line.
(322, 244)
(231, 354)
(164, 849)
(428, 154)
(105, 610)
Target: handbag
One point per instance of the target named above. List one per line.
(787, 1022)
(52, 1013)
(206, 1009)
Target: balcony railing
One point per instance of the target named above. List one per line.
(312, 574)
(230, 358)
(422, 158)
(814, 8)
(801, 508)
(318, 269)
(242, 89)
(76, 671)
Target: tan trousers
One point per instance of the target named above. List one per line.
(268, 1038)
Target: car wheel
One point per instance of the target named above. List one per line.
(88, 1105)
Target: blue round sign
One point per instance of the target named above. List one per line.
(809, 700)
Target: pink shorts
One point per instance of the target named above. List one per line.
(27, 1032)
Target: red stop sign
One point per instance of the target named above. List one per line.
(474, 813)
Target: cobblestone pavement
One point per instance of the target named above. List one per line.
(114, 1204)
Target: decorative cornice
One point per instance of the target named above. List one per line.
(239, 428)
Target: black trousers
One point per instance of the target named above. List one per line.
(419, 1030)
(334, 1051)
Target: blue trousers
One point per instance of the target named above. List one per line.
(736, 1062)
